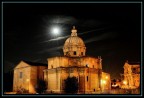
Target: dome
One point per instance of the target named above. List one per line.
(74, 45)
(74, 41)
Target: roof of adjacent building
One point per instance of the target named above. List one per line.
(134, 63)
(35, 63)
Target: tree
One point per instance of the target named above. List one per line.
(71, 85)
(8, 81)
(41, 86)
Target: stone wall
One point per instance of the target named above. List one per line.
(26, 76)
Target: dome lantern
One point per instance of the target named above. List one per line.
(74, 31)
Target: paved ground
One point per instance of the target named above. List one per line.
(112, 91)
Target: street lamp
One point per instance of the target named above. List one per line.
(27, 80)
(103, 83)
(124, 82)
(106, 77)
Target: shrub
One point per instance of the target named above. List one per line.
(71, 85)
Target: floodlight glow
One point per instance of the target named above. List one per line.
(124, 82)
(103, 82)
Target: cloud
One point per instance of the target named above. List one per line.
(36, 60)
(96, 38)
(92, 23)
(50, 49)
(101, 37)
(99, 29)
(59, 19)
(54, 39)
(64, 37)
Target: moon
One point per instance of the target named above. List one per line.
(56, 30)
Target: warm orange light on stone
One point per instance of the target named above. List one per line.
(103, 82)
(131, 76)
(27, 80)
(106, 77)
(87, 69)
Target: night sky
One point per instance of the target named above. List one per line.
(109, 30)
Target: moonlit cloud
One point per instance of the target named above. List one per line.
(93, 39)
(58, 38)
(55, 39)
(59, 19)
(36, 60)
(101, 37)
(114, 35)
(50, 50)
(81, 33)
(93, 31)
(93, 23)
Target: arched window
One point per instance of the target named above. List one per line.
(74, 52)
(81, 53)
(87, 78)
(21, 75)
(86, 65)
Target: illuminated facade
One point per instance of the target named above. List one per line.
(26, 75)
(88, 70)
(131, 75)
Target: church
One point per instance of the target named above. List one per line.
(74, 63)
(131, 76)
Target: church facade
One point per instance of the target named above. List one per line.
(75, 63)
(131, 75)
(26, 75)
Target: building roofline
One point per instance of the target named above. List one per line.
(34, 63)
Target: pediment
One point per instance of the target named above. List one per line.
(22, 64)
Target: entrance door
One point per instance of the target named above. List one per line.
(81, 84)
